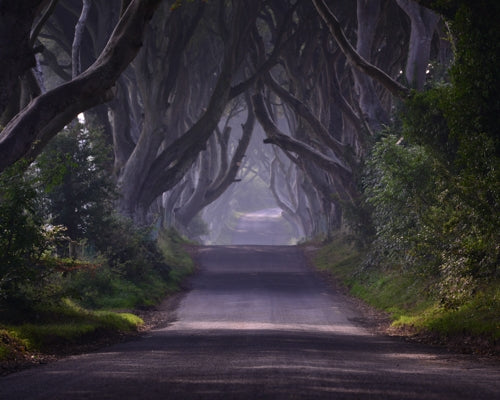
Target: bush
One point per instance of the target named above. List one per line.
(433, 214)
(77, 183)
(23, 237)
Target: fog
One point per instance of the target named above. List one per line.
(247, 213)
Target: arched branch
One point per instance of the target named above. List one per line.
(352, 55)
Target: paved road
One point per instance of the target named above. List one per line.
(266, 227)
(258, 324)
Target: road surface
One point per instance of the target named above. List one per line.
(258, 324)
(266, 227)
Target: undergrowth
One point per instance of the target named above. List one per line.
(412, 300)
(61, 324)
(78, 305)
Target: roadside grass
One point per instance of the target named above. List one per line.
(410, 300)
(62, 324)
(92, 304)
(173, 248)
(11, 346)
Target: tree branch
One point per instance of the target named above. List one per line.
(77, 41)
(353, 57)
(275, 136)
(47, 114)
(301, 109)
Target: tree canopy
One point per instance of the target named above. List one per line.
(179, 88)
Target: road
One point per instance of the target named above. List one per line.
(266, 227)
(259, 324)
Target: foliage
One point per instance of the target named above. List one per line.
(23, 236)
(128, 270)
(173, 248)
(424, 219)
(409, 298)
(66, 322)
(40, 280)
(80, 192)
(436, 196)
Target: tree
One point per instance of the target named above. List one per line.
(79, 189)
(29, 131)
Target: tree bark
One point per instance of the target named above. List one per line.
(301, 109)
(78, 38)
(27, 133)
(423, 25)
(275, 136)
(355, 59)
(174, 161)
(16, 50)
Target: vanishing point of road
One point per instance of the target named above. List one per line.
(259, 324)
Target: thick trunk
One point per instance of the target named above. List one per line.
(423, 25)
(27, 133)
(368, 12)
(139, 162)
(121, 125)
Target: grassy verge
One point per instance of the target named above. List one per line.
(411, 301)
(81, 307)
(64, 324)
(173, 248)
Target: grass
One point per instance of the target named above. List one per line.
(62, 324)
(89, 308)
(11, 345)
(409, 298)
(479, 316)
(172, 246)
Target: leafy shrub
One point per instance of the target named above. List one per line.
(77, 183)
(23, 237)
(432, 213)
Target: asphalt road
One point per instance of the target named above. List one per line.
(258, 324)
(263, 227)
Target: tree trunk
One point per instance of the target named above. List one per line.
(27, 133)
(76, 66)
(423, 25)
(16, 50)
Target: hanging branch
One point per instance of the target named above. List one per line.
(301, 109)
(275, 136)
(77, 41)
(28, 132)
(352, 55)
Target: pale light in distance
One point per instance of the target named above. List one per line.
(81, 118)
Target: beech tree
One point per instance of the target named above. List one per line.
(28, 131)
(323, 77)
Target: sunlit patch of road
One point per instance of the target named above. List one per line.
(262, 227)
(265, 214)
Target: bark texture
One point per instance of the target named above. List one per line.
(27, 133)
